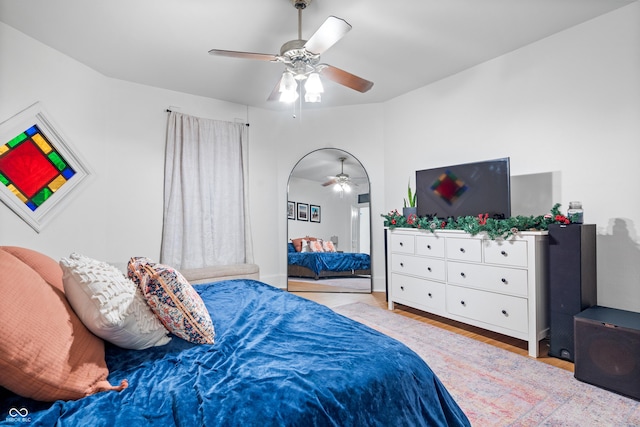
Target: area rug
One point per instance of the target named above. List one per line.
(495, 387)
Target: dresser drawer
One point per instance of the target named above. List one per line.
(496, 279)
(505, 252)
(402, 243)
(464, 249)
(500, 310)
(430, 246)
(428, 268)
(417, 292)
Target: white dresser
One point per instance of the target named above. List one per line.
(499, 285)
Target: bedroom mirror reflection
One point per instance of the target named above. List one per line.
(328, 224)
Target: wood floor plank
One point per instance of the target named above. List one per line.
(378, 299)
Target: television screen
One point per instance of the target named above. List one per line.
(466, 189)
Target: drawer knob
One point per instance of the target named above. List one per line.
(462, 250)
(401, 244)
(429, 269)
(463, 303)
(503, 253)
(402, 264)
(402, 288)
(462, 274)
(505, 312)
(503, 280)
(428, 246)
(430, 296)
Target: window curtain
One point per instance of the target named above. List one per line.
(206, 221)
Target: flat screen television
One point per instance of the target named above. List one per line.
(468, 189)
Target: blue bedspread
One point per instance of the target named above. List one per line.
(278, 360)
(330, 261)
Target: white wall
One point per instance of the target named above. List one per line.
(567, 105)
(119, 130)
(335, 212)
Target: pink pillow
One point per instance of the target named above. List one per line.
(46, 353)
(328, 246)
(173, 299)
(316, 246)
(298, 243)
(45, 266)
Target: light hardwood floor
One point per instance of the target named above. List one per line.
(378, 299)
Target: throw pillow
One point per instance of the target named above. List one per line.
(173, 300)
(46, 353)
(316, 246)
(298, 243)
(328, 246)
(44, 265)
(110, 304)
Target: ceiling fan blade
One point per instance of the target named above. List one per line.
(346, 79)
(330, 182)
(275, 93)
(244, 55)
(332, 30)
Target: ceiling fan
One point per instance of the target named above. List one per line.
(302, 61)
(342, 181)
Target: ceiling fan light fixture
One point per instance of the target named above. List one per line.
(313, 88)
(312, 97)
(342, 187)
(288, 96)
(288, 82)
(288, 88)
(314, 84)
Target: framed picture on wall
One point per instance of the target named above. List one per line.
(314, 213)
(303, 212)
(291, 210)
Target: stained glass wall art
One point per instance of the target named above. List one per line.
(37, 167)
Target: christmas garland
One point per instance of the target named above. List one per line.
(495, 228)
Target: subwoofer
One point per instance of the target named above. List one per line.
(572, 282)
(607, 349)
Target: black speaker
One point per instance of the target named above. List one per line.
(572, 282)
(607, 352)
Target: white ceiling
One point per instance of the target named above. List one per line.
(400, 46)
(323, 164)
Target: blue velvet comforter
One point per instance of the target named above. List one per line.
(330, 261)
(278, 360)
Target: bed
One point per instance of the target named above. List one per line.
(319, 265)
(278, 359)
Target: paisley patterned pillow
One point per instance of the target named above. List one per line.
(173, 299)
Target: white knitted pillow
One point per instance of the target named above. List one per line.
(109, 304)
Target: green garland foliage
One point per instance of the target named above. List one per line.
(495, 228)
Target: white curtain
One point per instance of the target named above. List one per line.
(206, 220)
